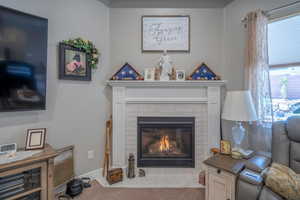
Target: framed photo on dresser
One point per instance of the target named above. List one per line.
(35, 139)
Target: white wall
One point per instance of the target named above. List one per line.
(76, 111)
(206, 39)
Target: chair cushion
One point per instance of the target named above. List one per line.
(283, 181)
(267, 194)
(280, 144)
(293, 128)
(247, 191)
(295, 156)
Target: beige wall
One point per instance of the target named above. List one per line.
(76, 111)
(206, 38)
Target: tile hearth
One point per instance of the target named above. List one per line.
(98, 192)
(155, 181)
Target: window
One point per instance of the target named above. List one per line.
(284, 59)
(285, 87)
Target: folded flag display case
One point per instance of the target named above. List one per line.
(127, 72)
(203, 72)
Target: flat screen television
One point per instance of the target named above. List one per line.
(23, 61)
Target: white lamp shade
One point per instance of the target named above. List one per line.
(239, 106)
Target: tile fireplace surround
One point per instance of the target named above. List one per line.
(198, 99)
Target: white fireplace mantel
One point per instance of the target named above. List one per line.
(172, 93)
(166, 83)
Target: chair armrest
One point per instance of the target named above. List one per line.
(249, 185)
(258, 163)
(252, 177)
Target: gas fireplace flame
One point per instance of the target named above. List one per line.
(164, 144)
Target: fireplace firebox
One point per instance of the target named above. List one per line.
(166, 142)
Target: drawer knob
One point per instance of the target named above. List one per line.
(219, 172)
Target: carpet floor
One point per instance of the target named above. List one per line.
(97, 192)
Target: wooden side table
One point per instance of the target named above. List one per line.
(221, 175)
(44, 162)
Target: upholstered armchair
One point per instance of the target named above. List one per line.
(285, 150)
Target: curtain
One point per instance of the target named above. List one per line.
(257, 80)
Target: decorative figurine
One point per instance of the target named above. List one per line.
(165, 63)
(142, 173)
(131, 166)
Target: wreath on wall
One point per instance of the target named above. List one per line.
(88, 47)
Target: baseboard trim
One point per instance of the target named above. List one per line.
(92, 174)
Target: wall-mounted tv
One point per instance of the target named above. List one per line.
(23, 61)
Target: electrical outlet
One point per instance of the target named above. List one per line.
(91, 154)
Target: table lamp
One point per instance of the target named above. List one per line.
(239, 107)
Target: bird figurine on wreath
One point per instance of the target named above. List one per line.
(203, 72)
(127, 72)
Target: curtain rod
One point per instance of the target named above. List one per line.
(281, 7)
(267, 12)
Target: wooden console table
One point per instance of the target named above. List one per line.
(221, 174)
(44, 163)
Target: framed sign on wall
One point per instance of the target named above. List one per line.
(170, 32)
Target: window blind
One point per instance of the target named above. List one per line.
(284, 41)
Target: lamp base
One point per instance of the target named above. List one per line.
(238, 134)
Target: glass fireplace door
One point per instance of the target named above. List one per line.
(165, 142)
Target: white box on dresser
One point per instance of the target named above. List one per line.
(199, 99)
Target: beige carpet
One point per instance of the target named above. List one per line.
(97, 192)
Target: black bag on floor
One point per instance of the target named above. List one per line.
(74, 188)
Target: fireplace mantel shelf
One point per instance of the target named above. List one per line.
(166, 83)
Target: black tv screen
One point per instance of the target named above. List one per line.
(23, 61)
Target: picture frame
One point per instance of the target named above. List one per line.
(225, 147)
(35, 139)
(149, 74)
(174, 33)
(180, 75)
(73, 64)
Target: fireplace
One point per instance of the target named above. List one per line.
(166, 142)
